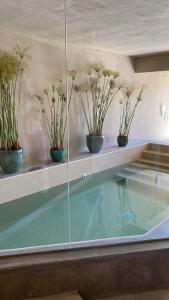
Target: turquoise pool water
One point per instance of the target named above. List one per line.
(101, 206)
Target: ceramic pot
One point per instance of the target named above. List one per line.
(57, 155)
(122, 140)
(11, 160)
(94, 143)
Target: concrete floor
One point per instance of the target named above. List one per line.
(68, 296)
(152, 295)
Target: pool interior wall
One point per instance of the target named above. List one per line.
(32, 180)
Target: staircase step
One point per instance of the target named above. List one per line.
(156, 152)
(158, 147)
(149, 167)
(156, 156)
(150, 178)
(132, 169)
(154, 163)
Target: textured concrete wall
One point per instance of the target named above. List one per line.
(48, 60)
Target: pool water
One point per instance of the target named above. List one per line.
(101, 206)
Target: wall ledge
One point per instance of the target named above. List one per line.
(34, 180)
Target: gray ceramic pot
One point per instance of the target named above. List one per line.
(11, 160)
(122, 140)
(94, 143)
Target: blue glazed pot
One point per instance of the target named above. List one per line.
(94, 143)
(57, 155)
(11, 160)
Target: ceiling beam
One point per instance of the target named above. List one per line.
(151, 63)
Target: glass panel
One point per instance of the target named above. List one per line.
(34, 207)
(82, 99)
(117, 179)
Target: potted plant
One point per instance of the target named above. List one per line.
(54, 107)
(129, 103)
(98, 88)
(12, 66)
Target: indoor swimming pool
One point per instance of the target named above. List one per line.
(123, 202)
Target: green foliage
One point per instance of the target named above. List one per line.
(129, 103)
(12, 66)
(98, 88)
(54, 107)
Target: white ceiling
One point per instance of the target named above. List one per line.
(123, 26)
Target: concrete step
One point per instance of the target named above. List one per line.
(67, 296)
(145, 166)
(151, 177)
(149, 162)
(151, 295)
(156, 156)
(158, 147)
(151, 183)
(131, 170)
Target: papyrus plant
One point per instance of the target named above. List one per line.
(97, 89)
(54, 107)
(131, 97)
(12, 66)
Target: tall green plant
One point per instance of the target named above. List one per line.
(97, 90)
(12, 66)
(54, 106)
(129, 104)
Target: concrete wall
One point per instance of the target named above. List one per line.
(48, 60)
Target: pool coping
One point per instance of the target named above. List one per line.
(95, 251)
(93, 271)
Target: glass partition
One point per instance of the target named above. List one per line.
(83, 124)
(33, 125)
(116, 178)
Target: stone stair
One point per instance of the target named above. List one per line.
(154, 157)
(150, 172)
(147, 177)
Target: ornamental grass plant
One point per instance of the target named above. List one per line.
(54, 105)
(98, 88)
(129, 103)
(12, 67)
